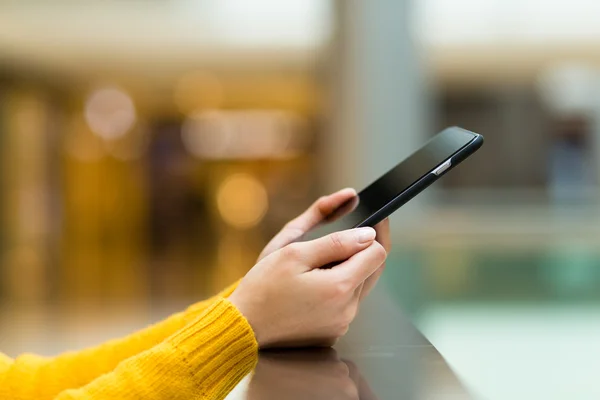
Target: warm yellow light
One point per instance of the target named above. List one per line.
(81, 143)
(129, 147)
(242, 201)
(197, 91)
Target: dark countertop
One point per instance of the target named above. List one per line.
(383, 357)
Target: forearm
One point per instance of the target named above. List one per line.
(205, 360)
(33, 377)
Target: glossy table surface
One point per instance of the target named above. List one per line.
(382, 357)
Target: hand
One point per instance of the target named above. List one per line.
(318, 212)
(383, 237)
(289, 301)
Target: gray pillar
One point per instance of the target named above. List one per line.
(378, 98)
(595, 128)
(378, 110)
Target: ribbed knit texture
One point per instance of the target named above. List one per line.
(199, 354)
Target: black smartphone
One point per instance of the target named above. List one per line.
(395, 188)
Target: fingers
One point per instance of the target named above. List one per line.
(383, 234)
(316, 213)
(360, 266)
(337, 246)
(383, 237)
(319, 210)
(371, 282)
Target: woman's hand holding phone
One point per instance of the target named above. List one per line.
(309, 290)
(319, 212)
(286, 297)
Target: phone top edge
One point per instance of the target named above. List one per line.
(452, 129)
(426, 180)
(458, 128)
(459, 155)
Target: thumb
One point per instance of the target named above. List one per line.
(360, 266)
(338, 246)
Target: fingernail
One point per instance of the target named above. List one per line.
(348, 189)
(366, 235)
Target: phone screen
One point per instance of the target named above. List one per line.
(393, 183)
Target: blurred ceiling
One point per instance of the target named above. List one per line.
(161, 39)
(478, 42)
(466, 41)
(524, 22)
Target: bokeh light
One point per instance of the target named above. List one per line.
(245, 134)
(207, 134)
(242, 201)
(110, 112)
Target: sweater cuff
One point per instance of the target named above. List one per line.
(219, 346)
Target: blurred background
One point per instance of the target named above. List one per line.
(150, 149)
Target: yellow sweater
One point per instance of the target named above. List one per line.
(201, 353)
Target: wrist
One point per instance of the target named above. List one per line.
(256, 326)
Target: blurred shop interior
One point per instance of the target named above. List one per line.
(150, 149)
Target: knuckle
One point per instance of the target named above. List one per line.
(319, 202)
(344, 286)
(339, 288)
(335, 241)
(291, 251)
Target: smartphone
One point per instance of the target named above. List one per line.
(395, 188)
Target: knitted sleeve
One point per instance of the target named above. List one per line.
(33, 377)
(204, 360)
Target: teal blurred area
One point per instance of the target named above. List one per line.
(510, 298)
